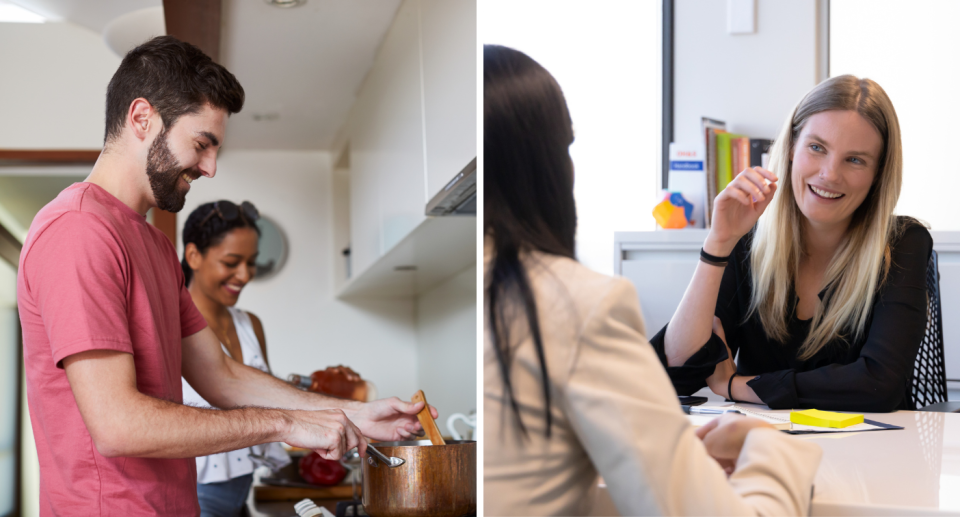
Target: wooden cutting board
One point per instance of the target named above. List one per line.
(287, 493)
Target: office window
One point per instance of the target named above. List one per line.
(912, 49)
(606, 55)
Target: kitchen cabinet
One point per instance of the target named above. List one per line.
(449, 35)
(410, 131)
(386, 145)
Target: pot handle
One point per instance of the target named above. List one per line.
(391, 462)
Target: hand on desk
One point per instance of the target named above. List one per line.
(724, 437)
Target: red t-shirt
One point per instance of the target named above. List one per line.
(94, 275)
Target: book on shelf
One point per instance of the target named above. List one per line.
(725, 155)
(725, 151)
(709, 128)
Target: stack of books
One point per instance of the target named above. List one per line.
(727, 154)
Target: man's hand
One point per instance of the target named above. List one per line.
(389, 419)
(724, 437)
(328, 432)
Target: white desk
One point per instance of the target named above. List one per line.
(915, 471)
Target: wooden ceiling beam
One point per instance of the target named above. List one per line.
(195, 21)
(48, 156)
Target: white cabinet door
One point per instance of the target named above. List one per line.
(449, 36)
(387, 187)
(402, 180)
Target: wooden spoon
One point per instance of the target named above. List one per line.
(426, 419)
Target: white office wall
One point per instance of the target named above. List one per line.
(307, 328)
(53, 83)
(750, 81)
(447, 345)
(606, 56)
(918, 68)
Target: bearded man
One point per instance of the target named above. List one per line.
(109, 327)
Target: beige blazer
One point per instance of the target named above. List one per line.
(615, 414)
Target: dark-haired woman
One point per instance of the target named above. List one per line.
(220, 250)
(571, 386)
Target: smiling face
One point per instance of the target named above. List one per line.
(183, 153)
(223, 271)
(835, 160)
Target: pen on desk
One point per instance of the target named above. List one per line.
(694, 410)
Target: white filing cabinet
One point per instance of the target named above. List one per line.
(660, 265)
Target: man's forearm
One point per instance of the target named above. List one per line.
(155, 428)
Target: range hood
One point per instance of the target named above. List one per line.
(459, 196)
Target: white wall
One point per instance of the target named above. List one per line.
(447, 345)
(306, 327)
(53, 83)
(750, 81)
(606, 57)
(917, 69)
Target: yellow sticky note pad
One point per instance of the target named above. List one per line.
(819, 418)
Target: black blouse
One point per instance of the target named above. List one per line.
(869, 375)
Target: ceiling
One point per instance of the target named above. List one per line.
(301, 68)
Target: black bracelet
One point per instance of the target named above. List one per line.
(713, 260)
(730, 387)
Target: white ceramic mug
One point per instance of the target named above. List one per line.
(471, 422)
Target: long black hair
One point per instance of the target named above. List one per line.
(528, 193)
(210, 233)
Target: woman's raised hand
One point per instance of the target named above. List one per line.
(737, 208)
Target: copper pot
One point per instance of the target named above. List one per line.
(437, 480)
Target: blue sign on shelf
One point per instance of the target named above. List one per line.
(686, 165)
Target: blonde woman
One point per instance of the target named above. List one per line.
(822, 293)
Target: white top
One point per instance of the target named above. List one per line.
(224, 466)
(615, 414)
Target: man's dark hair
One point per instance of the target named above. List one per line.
(176, 78)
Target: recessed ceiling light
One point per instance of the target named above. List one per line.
(286, 3)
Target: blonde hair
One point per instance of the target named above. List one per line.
(861, 263)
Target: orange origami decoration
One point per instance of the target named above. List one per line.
(673, 212)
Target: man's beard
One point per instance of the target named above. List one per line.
(164, 172)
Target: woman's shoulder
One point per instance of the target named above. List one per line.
(555, 275)
(910, 236)
(248, 318)
(907, 225)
